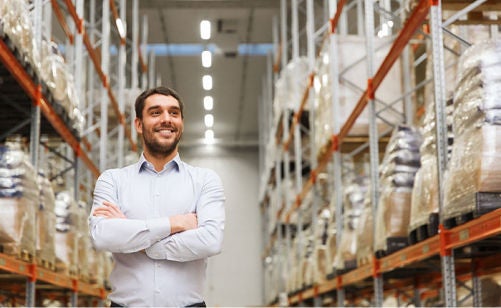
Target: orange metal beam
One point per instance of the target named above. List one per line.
(411, 254)
(335, 19)
(97, 66)
(62, 20)
(144, 68)
(477, 229)
(24, 80)
(114, 11)
(413, 22)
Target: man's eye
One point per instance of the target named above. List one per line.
(174, 112)
(155, 113)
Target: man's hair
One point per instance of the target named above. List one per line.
(139, 105)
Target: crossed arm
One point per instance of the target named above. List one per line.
(184, 237)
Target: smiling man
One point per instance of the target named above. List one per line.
(160, 217)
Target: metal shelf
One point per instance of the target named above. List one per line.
(484, 227)
(29, 270)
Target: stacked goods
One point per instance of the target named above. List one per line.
(474, 165)
(352, 66)
(46, 224)
(66, 233)
(354, 192)
(424, 201)
(18, 199)
(365, 233)
(16, 21)
(397, 172)
(83, 241)
(47, 62)
(290, 87)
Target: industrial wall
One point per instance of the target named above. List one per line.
(234, 278)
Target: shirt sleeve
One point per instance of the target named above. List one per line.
(207, 239)
(122, 235)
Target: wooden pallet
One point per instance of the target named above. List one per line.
(50, 265)
(425, 231)
(13, 249)
(392, 244)
(485, 202)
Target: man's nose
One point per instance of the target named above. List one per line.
(166, 117)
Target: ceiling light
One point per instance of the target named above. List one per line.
(207, 82)
(209, 120)
(208, 103)
(206, 58)
(120, 27)
(205, 29)
(209, 136)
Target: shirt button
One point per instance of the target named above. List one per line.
(157, 291)
(157, 194)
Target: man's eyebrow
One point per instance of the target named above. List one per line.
(153, 107)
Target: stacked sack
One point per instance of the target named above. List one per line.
(46, 223)
(66, 233)
(18, 200)
(397, 172)
(424, 208)
(353, 201)
(365, 232)
(474, 165)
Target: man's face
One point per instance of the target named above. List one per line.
(161, 126)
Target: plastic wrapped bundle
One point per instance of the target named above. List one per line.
(353, 79)
(18, 26)
(478, 89)
(425, 193)
(365, 233)
(82, 229)
(346, 255)
(290, 86)
(474, 167)
(400, 164)
(66, 233)
(18, 198)
(46, 223)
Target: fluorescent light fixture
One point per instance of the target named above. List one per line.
(206, 58)
(205, 29)
(209, 136)
(208, 103)
(209, 120)
(207, 82)
(120, 27)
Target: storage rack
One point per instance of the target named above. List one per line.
(437, 252)
(28, 109)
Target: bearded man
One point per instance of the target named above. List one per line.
(161, 218)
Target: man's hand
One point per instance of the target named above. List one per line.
(108, 210)
(183, 222)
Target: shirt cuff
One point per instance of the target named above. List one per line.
(159, 228)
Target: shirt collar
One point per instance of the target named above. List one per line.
(143, 163)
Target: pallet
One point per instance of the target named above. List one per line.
(349, 265)
(485, 202)
(425, 231)
(13, 249)
(50, 265)
(66, 270)
(393, 244)
(364, 260)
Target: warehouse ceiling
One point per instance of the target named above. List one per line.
(241, 36)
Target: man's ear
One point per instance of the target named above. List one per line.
(139, 125)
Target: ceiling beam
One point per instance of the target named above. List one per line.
(206, 4)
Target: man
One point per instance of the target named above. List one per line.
(161, 218)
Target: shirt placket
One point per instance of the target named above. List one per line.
(156, 213)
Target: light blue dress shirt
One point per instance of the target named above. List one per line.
(152, 266)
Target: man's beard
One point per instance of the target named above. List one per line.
(157, 149)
